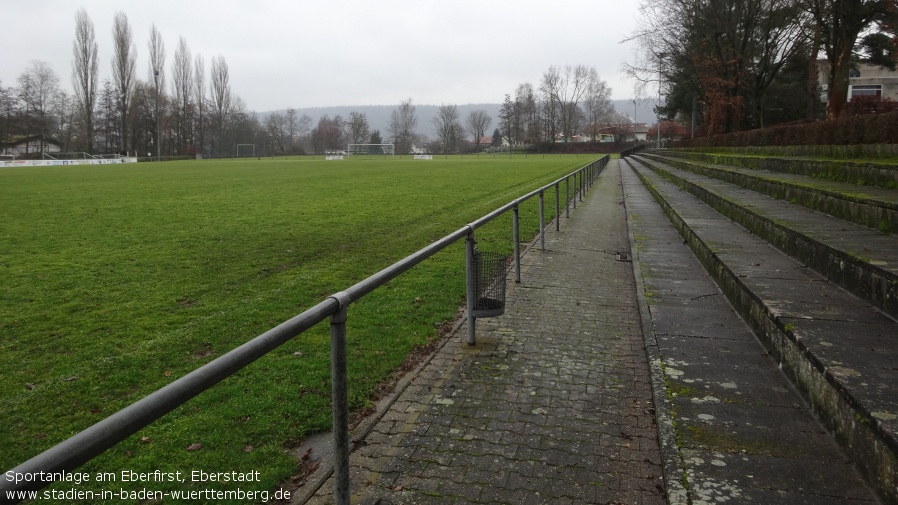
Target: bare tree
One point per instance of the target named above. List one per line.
(357, 128)
(477, 122)
(107, 118)
(448, 126)
(291, 126)
(402, 126)
(722, 54)
(221, 96)
(157, 77)
(509, 120)
(37, 87)
(63, 114)
(527, 112)
(143, 121)
(84, 72)
(240, 125)
(596, 102)
(298, 127)
(182, 89)
(124, 63)
(328, 135)
(7, 112)
(199, 97)
(565, 90)
(275, 129)
(517, 114)
(550, 115)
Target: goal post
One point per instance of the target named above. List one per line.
(370, 149)
(248, 150)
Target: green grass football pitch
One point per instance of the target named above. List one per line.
(116, 280)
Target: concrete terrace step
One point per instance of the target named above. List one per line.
(837, 349)
(873, 207)
(861, 260)
(721, 402)
(877, 171)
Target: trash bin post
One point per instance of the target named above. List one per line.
(470, 256)
(517, 244)
(340, 401)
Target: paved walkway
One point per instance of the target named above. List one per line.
(553, 405)
(556, 403)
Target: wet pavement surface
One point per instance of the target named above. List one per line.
(556, 403)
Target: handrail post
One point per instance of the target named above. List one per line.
(557, 210)
(567, 197)
(542, 220)
(469, 272)
(576, 189)
(517, 244)
(582, 185)
(582, 173)
(340, 400)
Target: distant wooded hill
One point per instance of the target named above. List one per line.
(379, 115)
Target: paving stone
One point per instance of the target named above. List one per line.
(557, 403)
(534, 413)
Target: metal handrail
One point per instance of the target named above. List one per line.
(93, 441)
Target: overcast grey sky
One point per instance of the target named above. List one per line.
(344, 52)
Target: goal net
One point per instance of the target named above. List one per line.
(370, 149)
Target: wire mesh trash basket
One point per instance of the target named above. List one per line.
(489, 284)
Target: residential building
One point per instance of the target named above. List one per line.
(29, 145)
(864, 80)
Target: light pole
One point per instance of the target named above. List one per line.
(158, 146)
(661, 57)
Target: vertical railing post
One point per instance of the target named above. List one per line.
(470, 274)
(575, 190)
(567, 197)
(557, 210)
(340, 400)
(517, 244)
(580, 172)
(542, 221)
